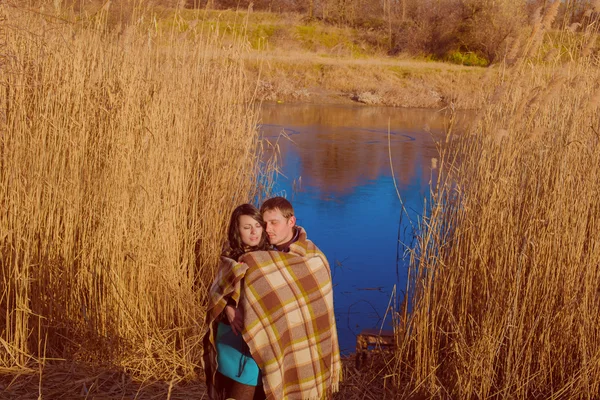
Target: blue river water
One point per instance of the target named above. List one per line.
(335, 169)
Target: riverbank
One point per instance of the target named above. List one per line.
(311, 78)
(294, 60)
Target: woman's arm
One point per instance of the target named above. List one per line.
(235, 318)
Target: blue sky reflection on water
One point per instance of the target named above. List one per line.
(347, 201)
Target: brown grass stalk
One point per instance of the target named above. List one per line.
(505, 276)
(121, 157)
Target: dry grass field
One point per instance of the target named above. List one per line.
(125, 144)
(505, 276)
(122, 154)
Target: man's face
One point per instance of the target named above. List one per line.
(279, 228)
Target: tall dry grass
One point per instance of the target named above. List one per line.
(505, 277)
(122, 155)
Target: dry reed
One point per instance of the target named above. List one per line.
(80, 380)
(505, 276)
(122, 154)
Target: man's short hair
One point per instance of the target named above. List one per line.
(278, 203)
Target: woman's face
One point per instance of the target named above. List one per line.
(250, 230)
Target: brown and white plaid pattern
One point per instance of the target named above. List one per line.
(289, 323)
(227, 284)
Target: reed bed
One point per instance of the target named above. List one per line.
(123, 151)
(503, 291)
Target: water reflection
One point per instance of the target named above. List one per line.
(347, 200)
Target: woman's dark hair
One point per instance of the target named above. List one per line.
(236, 246)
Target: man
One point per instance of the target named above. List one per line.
(278, 215)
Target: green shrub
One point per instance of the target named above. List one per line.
(314, 37)
(468, 58)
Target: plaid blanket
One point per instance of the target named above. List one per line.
(227, 284)
(289, 324)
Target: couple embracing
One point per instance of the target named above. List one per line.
(271, 326)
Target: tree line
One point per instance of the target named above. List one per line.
(430, 27)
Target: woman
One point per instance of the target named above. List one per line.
(232, 371)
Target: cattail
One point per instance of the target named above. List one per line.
(589, 46)
(434, 163)
(535, 40)
(550, 14)
(536, 22)
(574, 26)
(536, 18)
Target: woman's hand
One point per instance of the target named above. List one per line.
(235, 318)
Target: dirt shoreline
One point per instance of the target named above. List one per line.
(375, 82)
(318, 96)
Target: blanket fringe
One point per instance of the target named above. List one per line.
(338, 377)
